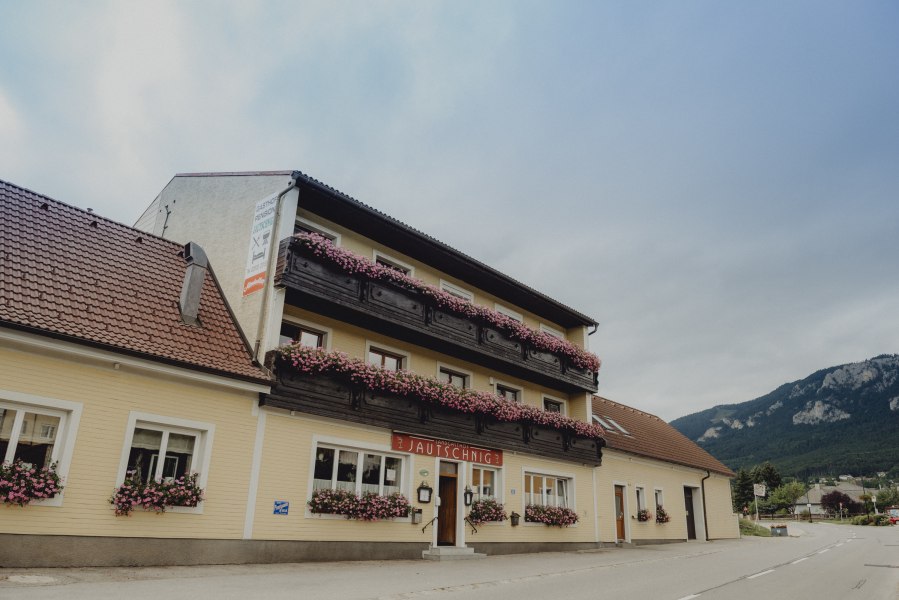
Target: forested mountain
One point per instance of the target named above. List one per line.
(838, 420)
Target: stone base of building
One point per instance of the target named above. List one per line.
(29, 551)
(655, 542)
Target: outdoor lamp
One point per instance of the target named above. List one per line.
(424, 492)
(468, 495)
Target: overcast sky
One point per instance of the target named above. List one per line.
(717, 183)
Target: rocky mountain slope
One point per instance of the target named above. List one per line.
(838, 420)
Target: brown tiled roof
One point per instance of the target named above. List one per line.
(71, 274)
(649, 436)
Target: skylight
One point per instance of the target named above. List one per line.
(617, 426)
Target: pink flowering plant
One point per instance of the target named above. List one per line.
(20, 483)
(487, 511)
(662, 515)
(557, 516)
(318, 361)
(155, 496)
(367, 507)
(644, 515)
(353, 264)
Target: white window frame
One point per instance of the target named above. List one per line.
(204, 432)
(320, 229)
(505, 310)
(552, 331)
(377, 254)
(455, 290)
(658, 494)
(361, 447)
(510, 386)
(561, 401)
(469, 376)
(570, 491)
(325, 331)
(616, 425)
(69, 414)
(497, 480)
(407, 358)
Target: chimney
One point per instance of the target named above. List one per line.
(193, 283)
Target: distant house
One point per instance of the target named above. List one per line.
(811, 501)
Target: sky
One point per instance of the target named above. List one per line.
(717, 183)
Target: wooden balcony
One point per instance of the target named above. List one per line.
(335, 397)
(315, 284)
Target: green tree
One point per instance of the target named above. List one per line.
(766, 473)
(887, 497)
(787, 495)
(742, 490)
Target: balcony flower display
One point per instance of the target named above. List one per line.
(353, 264)
(155, 496)
(662, 515)
(317, 361)
(20, 483)
(643, 515)
(367, 507)
(556, 516)
(487, 511)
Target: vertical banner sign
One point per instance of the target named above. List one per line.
(260, 243)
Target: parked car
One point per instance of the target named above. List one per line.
(893, 512)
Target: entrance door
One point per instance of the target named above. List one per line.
(691, 522)
(446, 513)
(619, 511)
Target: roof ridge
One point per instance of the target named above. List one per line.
(91, 213)
(631, 408)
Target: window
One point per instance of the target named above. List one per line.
(306, 226)
(166, 448)
(509, 393)
(456, 291)
(641, 499)
(455, 378)
(617, 426)
(553, 405)
(162, 453)
(357, 471)
(545, 490)
(29, 434)
(605, 425)
(659, 499)
(385, 359)
(552, 331)
(509, 312)
(483, 482)
(393, 263)
(291, 332)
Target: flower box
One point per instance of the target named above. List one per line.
(487, 511)
(21, 483)
(367, 507)
(155, 496)
(555, 516)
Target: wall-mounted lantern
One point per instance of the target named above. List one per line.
(468, 496)
(424, 492)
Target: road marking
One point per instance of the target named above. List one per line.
(690, 596)
(840, 544)
(760, 574)
(800, 560)
(823, 551)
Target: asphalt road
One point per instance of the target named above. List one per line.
(825, 562)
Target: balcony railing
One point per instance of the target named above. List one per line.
(316, 284)
(334, 396)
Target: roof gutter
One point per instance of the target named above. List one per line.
(705, 514)
(270, 268)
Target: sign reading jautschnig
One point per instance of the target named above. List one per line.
(445, 449)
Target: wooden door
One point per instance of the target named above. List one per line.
(688, 505)
(619, 512)
(446, 513)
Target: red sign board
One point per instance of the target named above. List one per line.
(444, 449)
